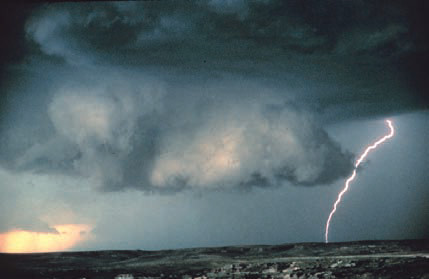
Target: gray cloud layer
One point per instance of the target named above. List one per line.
(231, 31)
(142, 134)
(337, 52)
(239, 87)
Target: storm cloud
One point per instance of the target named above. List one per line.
(219, 30)
(135, 133)
(139, 115)
(331, 55)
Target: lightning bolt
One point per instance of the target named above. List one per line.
(352, 177)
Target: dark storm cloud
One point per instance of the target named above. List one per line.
(164, 32)
(226, 29)
(336, 52)
(140, 133)
(219, 113)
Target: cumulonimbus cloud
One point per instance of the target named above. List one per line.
(138, 133)
(271, 143)
(128, 131)
(231, 146)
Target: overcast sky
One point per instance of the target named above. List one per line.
(163, 125)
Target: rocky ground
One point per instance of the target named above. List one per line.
(365, 259)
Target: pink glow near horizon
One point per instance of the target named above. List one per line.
(352, 177)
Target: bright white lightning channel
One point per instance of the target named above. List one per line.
(352, 177)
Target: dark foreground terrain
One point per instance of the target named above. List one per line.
(364, 259)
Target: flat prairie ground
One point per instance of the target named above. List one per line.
(362, 259)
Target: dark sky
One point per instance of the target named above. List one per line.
(213, 122)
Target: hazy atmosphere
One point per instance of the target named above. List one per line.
(160, 125)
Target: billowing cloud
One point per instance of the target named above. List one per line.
(137, 132)
(94, 130)
(346, 60)
(183, 129)
(252, 145)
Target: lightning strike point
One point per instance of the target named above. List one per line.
(352, 177)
